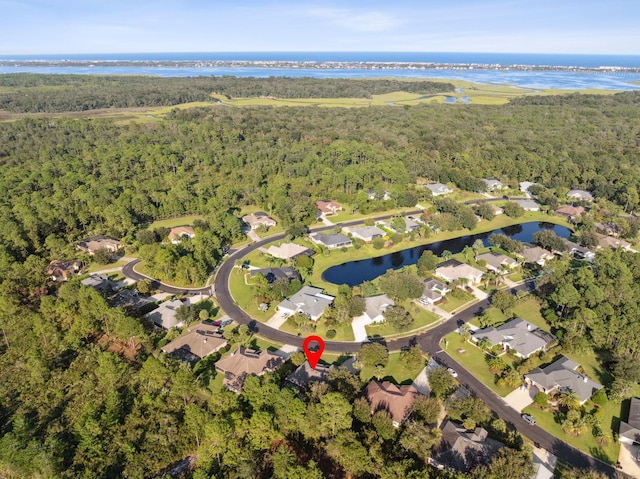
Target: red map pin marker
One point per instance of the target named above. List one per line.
(313, 354)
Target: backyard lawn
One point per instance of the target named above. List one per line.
(451, 304)
(528, 309)
(395, 371)
(422, 318)
(173, 222)
(344, 332)
(473, 359)
(242, 293)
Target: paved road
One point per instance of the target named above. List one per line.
(428, 341)
(129, 272)
(489, 200)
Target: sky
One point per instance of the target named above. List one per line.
(132, 26)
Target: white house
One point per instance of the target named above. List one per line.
(309, 300)
(438, 189)
(454, 270)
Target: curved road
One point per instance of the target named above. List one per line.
(429, 341)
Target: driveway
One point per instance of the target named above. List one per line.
(421, 382)
(627, 459)
(277, 320)
(520, 398)
(359, 331)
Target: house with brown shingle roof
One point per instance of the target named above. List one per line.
(613, 243)
(200, 341)
(95, 243)
(245, 362)
(397, 401)
(176, 234)
(328, 207)
(258, 219)
(570, 212)
(62, 270)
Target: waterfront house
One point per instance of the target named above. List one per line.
(366, 233)
(331, 240)
(454, 270)
(496, 261)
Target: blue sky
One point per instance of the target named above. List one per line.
(114, 26)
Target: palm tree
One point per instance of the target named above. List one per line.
(477, 246)
(570, 400)
(446, 255)
(490, 277)
(467, 251)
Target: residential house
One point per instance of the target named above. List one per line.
(375, 306)
(535, 254)
(305, 375)
(517, 335)
(528, 204)
(130, 299)
(496, 261)
(397, 401)
(327, 207)
(524, 187)
(371, 194)
(242, 363)
(331, 240)
(580, 195)
(434, 291)
(309, 300)
(613, 243)
(62, 270)
(177, 234)
(200, 341)
(454, 270)
(464, 450)
(496, 209)
(99, 282)
(493, 184)
(629, 431)
(562, 376)
(579, 251)
(272, 274)
(570, 212)
(258, 219)
(95, 243)
(438, 189)
(609, 229)
(544, 463)
(410, 225)
(289, 251)
(164, 315)
(366, 233)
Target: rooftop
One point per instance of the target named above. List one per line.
(398, 401)
(201, 340)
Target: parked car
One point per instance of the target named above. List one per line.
(452, 372)
(217, 322)
(226, 322)
(529, 419)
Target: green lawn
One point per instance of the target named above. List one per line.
(451, 304)
(586, 441)
(344, 332)
(97, 267)
(242, 293)
(140, 268)
(529, 310)
(422, 318)
(344, 216)
(173, 222)
(395, 371)
(516, 277)
(473, 359)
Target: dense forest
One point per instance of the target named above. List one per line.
(84, 392)
(60, 93)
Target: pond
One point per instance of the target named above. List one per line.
(355, 272)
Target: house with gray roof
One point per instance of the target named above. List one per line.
(528, 204)
(366, 233)
(433, 292)
(580, 195)
(463, 450)
(164, 315)
(496, 261)
(305, 375)
(375, 306)
(454, 270)
(493, 184)
(524, 187)
(629, 432)
(288, 251)
(438, 189)
(99, 282)
(535, 254)
(309, 300)
(561, 376)
(576, 250)
(518, 335)
(331, 240)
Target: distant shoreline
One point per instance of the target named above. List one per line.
(317, 65)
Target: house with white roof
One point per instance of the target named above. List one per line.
(454, 270)
(517, 335)
(493, 184)
(528, 204)
(366, 233)
(495, 261)
(375, 306)
(438, 189)
(580, 195)
(309, 301)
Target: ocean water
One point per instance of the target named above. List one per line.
(563, 79)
